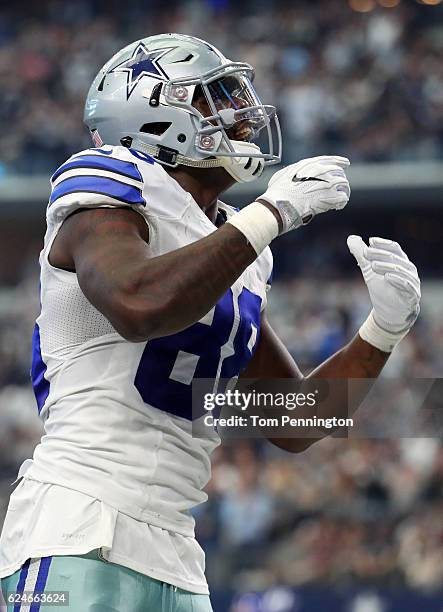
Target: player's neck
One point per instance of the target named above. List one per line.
(205, 185)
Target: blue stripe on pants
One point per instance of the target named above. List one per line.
(42, 578)
(21, 583)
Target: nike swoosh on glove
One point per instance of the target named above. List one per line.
(307, 188)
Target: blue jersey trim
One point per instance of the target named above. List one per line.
(38, 371)
(101, 185)
(143, 156)
(100, 162)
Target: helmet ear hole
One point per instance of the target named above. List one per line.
(157, 128)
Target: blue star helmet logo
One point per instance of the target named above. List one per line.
(142, 63)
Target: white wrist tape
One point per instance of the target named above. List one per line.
(382, 339)
(257, 223)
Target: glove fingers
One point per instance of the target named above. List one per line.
(387, 245)
(343, 162)
(404, 285)
(397, 271)
(341, 204)
(357, 247)
(345, 188)
(342, 186)
(334, 169)
(374, 254)
(329, 188)
(389, 266)
(327, 179)
(319, 166)
(331, 174)
(337, 201)
(326, 173)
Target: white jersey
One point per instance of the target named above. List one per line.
(117, 414)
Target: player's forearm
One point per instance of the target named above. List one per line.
(173, 291)
(358, 360)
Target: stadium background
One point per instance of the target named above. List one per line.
(351, 526)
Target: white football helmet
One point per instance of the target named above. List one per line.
(178, 99)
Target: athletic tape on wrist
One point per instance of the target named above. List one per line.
(382, 339)
(257, 223)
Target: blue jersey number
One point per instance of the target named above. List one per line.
(218, 346)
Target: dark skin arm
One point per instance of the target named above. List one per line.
(147, 297)
(358, 360)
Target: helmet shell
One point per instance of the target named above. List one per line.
(117, 105)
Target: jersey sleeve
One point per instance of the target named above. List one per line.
(95, 178)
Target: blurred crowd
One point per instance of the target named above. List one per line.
(345, 512)
(369, 85)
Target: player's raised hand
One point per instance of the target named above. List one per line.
(307, 188)
(394, 288)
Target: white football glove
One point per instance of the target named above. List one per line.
(394, 288)
(309, 187)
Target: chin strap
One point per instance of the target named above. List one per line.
(169, 157)
(243, 169)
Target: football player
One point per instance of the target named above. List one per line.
(149, 281)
